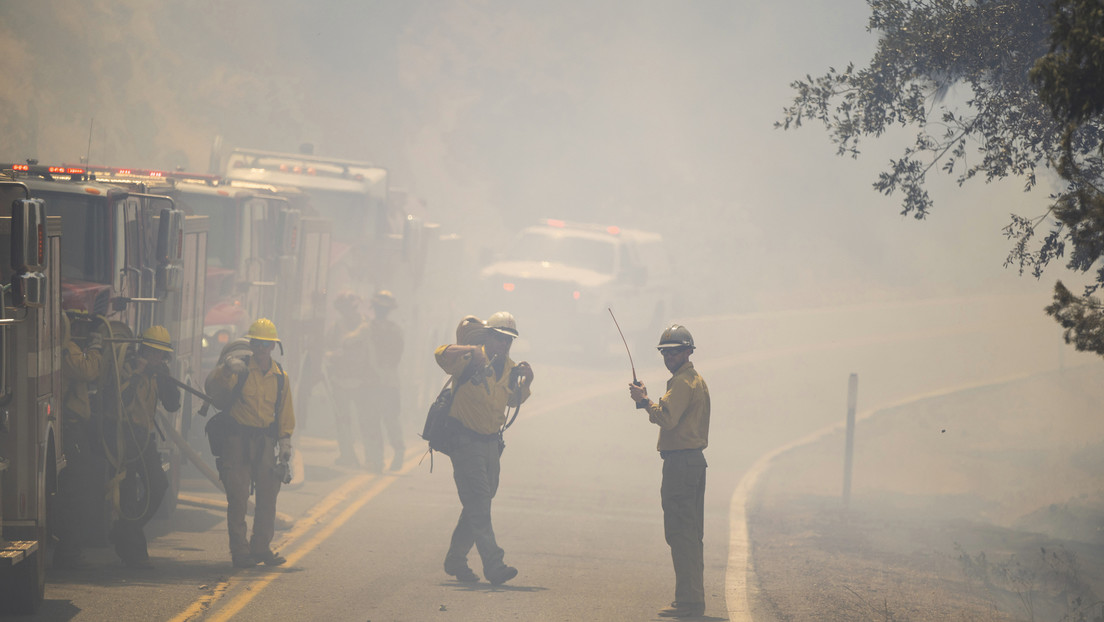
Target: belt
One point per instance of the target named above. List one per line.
(667, 453)
(472, 434)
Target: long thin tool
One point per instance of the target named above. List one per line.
(642, 403)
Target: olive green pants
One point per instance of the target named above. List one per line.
(249, 458)
(683, 497)
(475, 469)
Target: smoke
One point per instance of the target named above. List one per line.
(656, 115)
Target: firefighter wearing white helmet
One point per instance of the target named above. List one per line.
(144, 381)
(503, 323)
(486, 382)
(258, 400)
(682, 415)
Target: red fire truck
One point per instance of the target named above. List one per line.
(132, 260)
(30, 387)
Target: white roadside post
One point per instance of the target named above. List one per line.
(849, 448)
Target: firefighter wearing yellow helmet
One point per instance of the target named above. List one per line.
(382, 407)
(256, 443)
(145, 381)
(486, 382)
(682, 415)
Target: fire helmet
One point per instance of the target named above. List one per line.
(503, 323)
(385, 299)
(470, 330)
(263, 330)
(157, 337)
(676, 336)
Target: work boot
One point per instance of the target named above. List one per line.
(500, 575)
(270, 558)
(244, 561)
(397, 461)
(683, 610)
(463, 574)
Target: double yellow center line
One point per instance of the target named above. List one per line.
(360, 489)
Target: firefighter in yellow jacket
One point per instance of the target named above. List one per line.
(682, 415)
(80, 484)
(144, 382)
(485, 382)
(257, 449)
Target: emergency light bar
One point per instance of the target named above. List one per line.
(562, 224)
(37, 169)
(152, 173)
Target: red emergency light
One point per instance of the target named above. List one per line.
(556, 223)
(613, 230)
(508, 287)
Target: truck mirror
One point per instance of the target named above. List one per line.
(28, 235)
(170, 236)
(29, 290)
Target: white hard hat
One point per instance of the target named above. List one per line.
(503, 322)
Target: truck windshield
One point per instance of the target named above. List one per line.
(360, 215)
(222, 245)
(86, 231)
(558, 247)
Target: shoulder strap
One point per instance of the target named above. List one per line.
(279, 398)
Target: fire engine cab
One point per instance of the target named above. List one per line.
(131, 260)
(30, 387)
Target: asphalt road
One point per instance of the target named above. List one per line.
(578, 507)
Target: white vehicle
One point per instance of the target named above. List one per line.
(560, 280)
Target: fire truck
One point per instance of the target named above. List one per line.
(264, 258)
(376, 244)
(131, 260)
(30, 387)
(250, 251)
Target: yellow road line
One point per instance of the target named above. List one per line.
(302, 526)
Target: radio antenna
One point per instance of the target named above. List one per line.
(626, 343)
(88, 155)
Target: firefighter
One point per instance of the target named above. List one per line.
(81, 362)
(682, 415)
(345, 365)
(486, 381)
(144, 381)
(257, 448)
(382, 409)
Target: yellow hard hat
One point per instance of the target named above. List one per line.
(157, 337)
(384, 298)
(263, 330)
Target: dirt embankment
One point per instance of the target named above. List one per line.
(984, 505)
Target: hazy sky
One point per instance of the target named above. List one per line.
(657, 114)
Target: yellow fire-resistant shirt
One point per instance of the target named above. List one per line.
(141, 392)
(257, 405)
(78, 368)
(682, 414)
(481, 407)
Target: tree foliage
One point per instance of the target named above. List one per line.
(1033, 74)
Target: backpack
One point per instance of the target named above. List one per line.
(440, 428)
